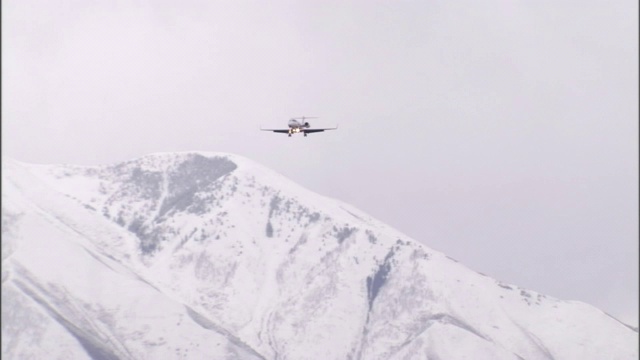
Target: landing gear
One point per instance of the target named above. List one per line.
(305, 134)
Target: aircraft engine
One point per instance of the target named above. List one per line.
(306, 125)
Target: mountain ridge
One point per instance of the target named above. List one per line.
(279, 272)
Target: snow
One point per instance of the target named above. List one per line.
(201, 255)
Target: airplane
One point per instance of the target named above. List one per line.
(296, 126)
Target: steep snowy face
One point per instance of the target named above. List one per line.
(213, 248)
(70, 288)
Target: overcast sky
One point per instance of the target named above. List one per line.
(502, 133)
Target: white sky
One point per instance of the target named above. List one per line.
(502, 133)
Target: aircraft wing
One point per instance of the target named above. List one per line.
(286, 131)
(308, 131)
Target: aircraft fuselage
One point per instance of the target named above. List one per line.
(296, 126)
(293, 123)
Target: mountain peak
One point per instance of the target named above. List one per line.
(235, 253)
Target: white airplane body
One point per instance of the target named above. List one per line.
(296, 126)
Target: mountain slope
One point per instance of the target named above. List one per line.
(194, 255)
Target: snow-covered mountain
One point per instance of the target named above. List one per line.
(211, 256)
